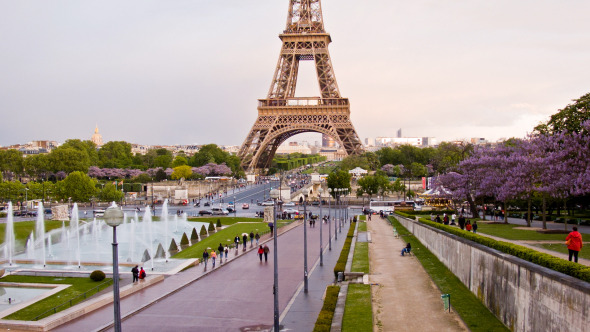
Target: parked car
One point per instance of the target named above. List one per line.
(289, 204)
(204, 212)
(315, 203)
(245, 206)
(267, 203)
(291, 211)
(207, 204)
(231, 209)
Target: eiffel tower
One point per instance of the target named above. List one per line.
(282, 115)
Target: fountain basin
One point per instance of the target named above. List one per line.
(23, 295)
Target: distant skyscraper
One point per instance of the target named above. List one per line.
(97, 137)
(327, 141)
(399, 133)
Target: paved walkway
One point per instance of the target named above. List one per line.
(404, 296)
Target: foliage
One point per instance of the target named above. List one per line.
(194, 236)
(184, 240)
(78, 186)
(11, 161)
(373, 184)
(570, 118)
(115, 154)
(211, 227)
(360, 259)
(97, 275)
(358, 312)
(324, 320)
(181, 172)
(68, 160)
(218, 224)
(341, 263)
(179, 161)
(109, 193)
(367, 161)
(338, 179)
(203, 231)
(212, 154)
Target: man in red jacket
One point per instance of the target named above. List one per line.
(575, 243)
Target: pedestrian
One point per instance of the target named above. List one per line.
(213, 256)
(474, 226)
(407, 249)
(205, 257)
(446, 219)
(251, 238)
(266, 250)
(257, 237)
(468, 226)
(271, 226)
(453, 217)
(237, 242)
(135, 272)
(260, 252)
(226, 251)
(574, 243)
(245, 241)
(220, 249)
(142, 274)
(437, 219)
(461, 222)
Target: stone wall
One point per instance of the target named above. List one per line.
(523, 295)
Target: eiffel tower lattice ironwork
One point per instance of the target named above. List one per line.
(282, 115)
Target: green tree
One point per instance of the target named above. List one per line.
(354, 161)
(37, 166)
(338, 179)
(11, 161)
(68, 160)
(179, 161)
(78, 186)
(109, 193)
(115, 154)
(84, 146)
(12, 191)
(569, 118)
(448, 155)
(161, 175)
(181, 172)
(163, 161)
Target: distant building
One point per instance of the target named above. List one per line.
(328, 141)
(478, 141)
(369, 141)
(97, 138)
(399, 133)
(395, 141)
(293, 147)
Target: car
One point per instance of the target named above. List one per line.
(204, 212)
(315, 203)
(267, 203)
(219, 211)
(291, 211)
(231, 209)
(289, 204)
(207, 204)
(245, 206)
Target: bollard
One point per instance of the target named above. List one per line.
(340, 276)
(446, 301)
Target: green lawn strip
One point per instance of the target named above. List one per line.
(474, 313)
(324, 321)
(362, 217)
(508, 231)
(22, 230)
(358, 312)
(562, 248)
(229, 233)
(362, 227)
(360, 258)
(79, 286)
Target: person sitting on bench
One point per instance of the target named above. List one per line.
(407, 249)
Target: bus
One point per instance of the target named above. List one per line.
(385, 206)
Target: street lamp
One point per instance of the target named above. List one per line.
(305, 192)
(274, 194)
(320, 191)
(330, 219)
(113, 216)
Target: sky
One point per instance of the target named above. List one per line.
(191, 72)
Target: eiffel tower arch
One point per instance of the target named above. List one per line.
(282, 115)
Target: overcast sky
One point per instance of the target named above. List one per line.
(184, 72)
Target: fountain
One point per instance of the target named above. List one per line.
(9, 240)
(75, 227)
(40, 230)
(164, 217)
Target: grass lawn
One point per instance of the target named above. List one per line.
(362, 217)
(360, 258)
(79, 286)
(474, 313)
(22, 230)
(229, 233)
(362, 227)
(508, 232)
(358, 313)
(584, 253)
(225, 220)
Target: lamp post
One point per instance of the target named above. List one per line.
(320, 191)
(305, 192)
(274, 194)
(329, 221)
(113, 216)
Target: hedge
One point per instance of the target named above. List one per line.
(324, 321)
(341, 264)
(575, 270)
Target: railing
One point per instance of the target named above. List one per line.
(315, 101)
(72, 301)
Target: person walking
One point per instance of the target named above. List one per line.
(260, 252)
(142, 274)
(257, 237)
(213, 256)
(220, 249)
(135, 272)
(245, 241)
(468, 226)
(461, 221)
(474, 226)
(237, 242)
(266, 251)
(271, 226)
(226, 252)
(453, 217)
(574, 243)
(251, 239)
(205, 257)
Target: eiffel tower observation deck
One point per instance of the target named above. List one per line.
(282, 115)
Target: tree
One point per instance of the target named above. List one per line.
(78, 186)
(109, 193)
(68, 160)
(11, 161)
(115, 154)
(338, 179)
(179, 161)
(163, 161)
(373, 184)
(87, 147)
(569, 119)
(181, 172)
(37, 166)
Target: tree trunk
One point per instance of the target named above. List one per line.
(472, 206)
(505, 213)
(528, 215)
(565, 219)
(544, 212)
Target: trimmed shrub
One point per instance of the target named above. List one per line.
(341, 264)
(203, 232)
(184, 240)
(97, 275)
(194, 236)
(218, 225)
(324, 321)
(211, 228)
